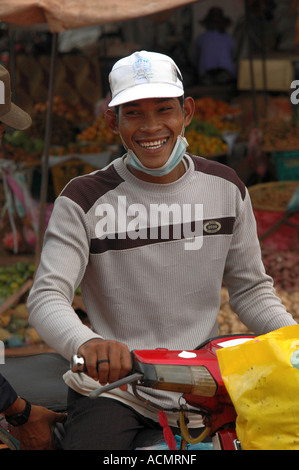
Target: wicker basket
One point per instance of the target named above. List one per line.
(272, 196)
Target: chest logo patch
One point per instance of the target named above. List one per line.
(212, 226)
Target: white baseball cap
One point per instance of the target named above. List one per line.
(144, 75)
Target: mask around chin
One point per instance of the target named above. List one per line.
(174, 159)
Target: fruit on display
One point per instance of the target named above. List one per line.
(14, 328)
(95, 138)
(212, 118)
(21, 147)
(279, 134)
(72, 113)
(15, 283)
(204, 127)
(99, 133)
(21, 139)
(204, 139)
(208, 108)
(203, 145)
(13, 277)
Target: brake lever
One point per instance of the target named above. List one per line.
(126, 380)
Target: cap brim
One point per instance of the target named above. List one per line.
(146, 90)
(16, 118)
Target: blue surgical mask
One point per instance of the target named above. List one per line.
(175, 158)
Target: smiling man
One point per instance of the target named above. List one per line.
(150, 239)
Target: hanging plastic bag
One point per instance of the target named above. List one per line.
(262, 379)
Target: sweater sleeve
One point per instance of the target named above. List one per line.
(7, 394)
(64, 258)
(252, 294)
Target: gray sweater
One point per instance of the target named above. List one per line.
(141, 285)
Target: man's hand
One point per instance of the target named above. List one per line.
(106, 360)
(37, 433)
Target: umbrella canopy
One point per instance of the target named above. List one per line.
(67, 14)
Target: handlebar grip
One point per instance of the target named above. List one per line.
(78, 363)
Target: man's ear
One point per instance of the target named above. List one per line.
(111, 120)
(189, 108)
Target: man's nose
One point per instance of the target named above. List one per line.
(150, 123)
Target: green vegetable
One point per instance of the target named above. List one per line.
(13, 277)
(21, 139)
(203, 127)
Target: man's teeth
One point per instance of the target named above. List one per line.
(153, 145)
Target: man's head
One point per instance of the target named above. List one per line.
(10, 114)
(148, 94)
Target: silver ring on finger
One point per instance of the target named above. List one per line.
(101, 361)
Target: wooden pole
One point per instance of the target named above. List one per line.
(45, 157)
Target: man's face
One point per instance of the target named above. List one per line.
(150, 128)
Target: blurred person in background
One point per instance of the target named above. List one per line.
(214, 50)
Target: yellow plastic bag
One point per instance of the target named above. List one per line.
(262, 379)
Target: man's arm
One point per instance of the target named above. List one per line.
(63, 262)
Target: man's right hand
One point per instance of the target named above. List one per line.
(106, 361)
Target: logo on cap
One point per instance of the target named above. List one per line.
(142, 69)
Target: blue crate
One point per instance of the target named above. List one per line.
(287, 165)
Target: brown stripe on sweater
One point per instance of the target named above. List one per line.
(218, 169)
(85, 190)
(125, 241)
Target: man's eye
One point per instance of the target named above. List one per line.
(132, 112)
